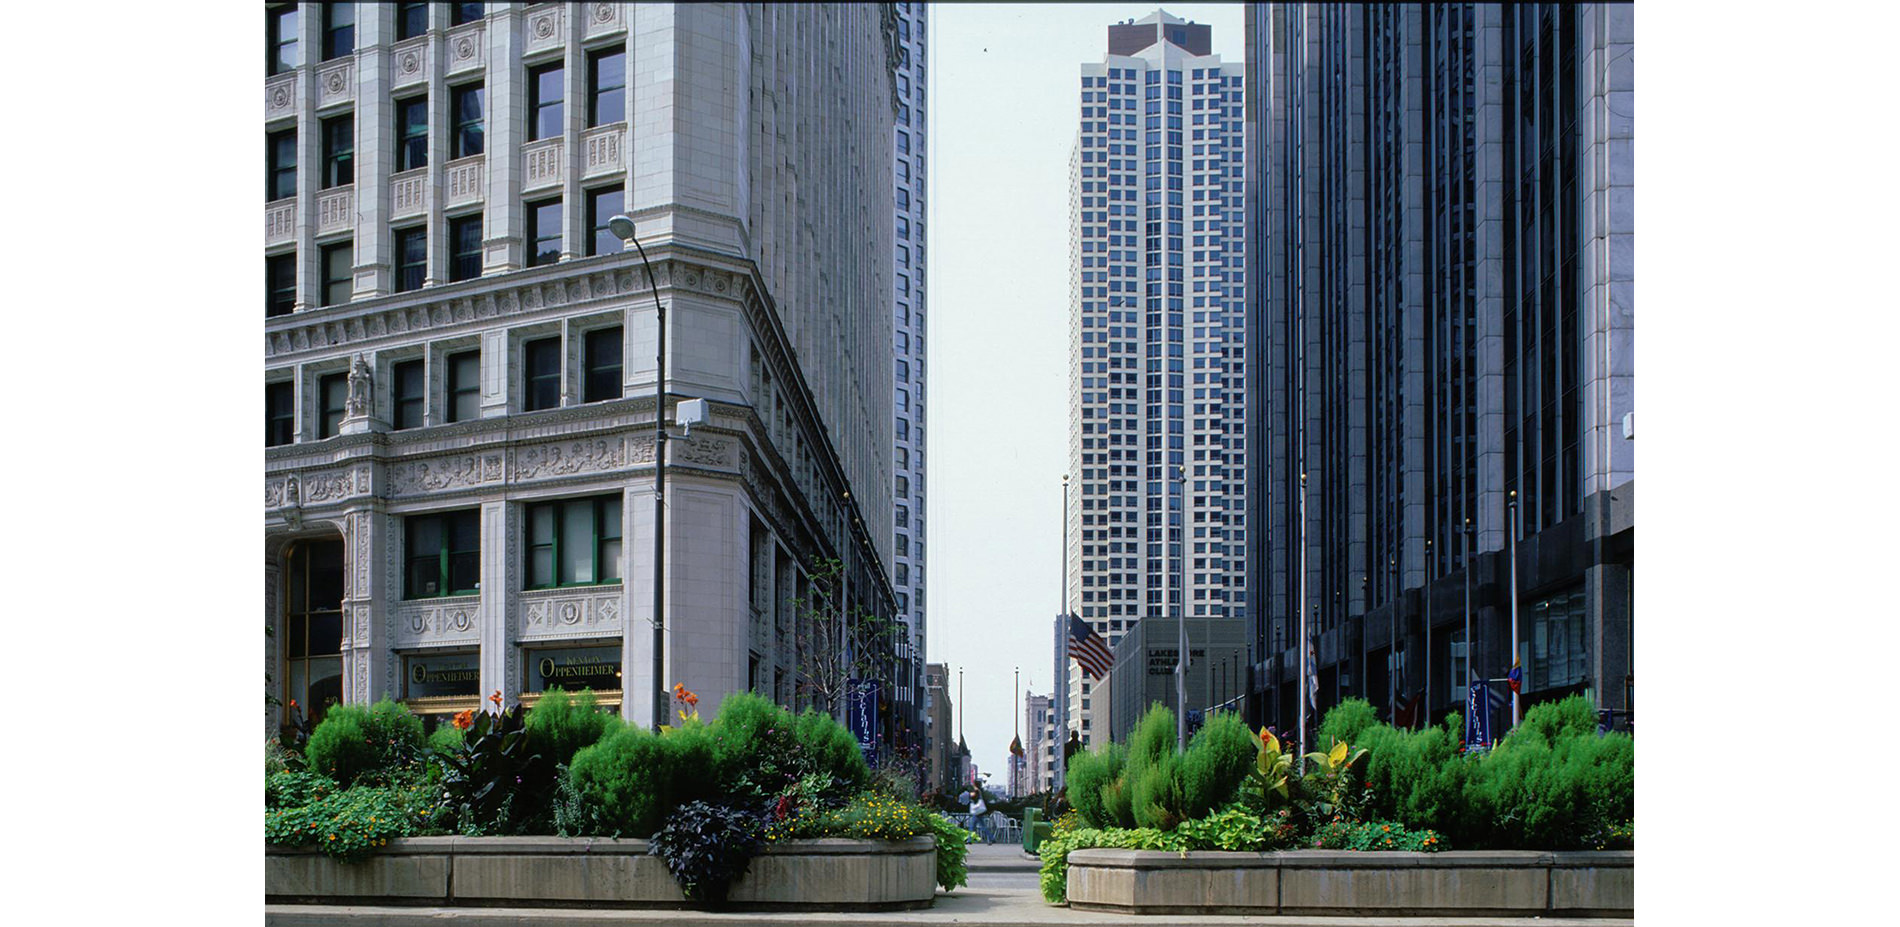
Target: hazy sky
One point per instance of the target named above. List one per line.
(1003, 114)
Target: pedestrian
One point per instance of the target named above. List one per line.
(980, 817)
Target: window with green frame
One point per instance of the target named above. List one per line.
(444, 554)
(333, 392)
(574, 542)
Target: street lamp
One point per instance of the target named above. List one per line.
(622, 228)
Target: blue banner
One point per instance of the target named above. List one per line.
(1478, 715)
(861, 716)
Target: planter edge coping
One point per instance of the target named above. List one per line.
(1351, 859)
(609, 846)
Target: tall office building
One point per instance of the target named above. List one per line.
(1156, 340)
(1442, 314)
(460, 358)
(908, 170)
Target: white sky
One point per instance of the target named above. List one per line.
(1003, 115)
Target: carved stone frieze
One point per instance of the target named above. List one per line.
(467, 47)
(708, 452)
(328, 486)
(466, 181)
(544, 28)
(583, 614)
(280, 95)
(457, 621)
(336, 83)
(570, 458)
(280, 221)
(603, 18)
(410, 61)
(465, 471)
(361, 672)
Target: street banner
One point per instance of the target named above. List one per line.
(1478, 715)
(861, 716)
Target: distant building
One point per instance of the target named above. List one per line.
(1144, 669)
(909, 169)
(939, 739)
(1441, 315)
(1039, 742)
(1158, 355)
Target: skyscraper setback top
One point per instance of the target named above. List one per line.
(1132, 38)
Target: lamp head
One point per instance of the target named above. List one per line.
(622, 227)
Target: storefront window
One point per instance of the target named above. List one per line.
(574, 669)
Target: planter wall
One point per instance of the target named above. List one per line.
(1306, 882)
(828, 874)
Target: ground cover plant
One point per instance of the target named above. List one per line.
(706, 794)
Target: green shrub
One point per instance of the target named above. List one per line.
(1152, 738)
(340, 747)
(446, 739)
(1550, 722)
(1217, 761)
(1090, 773)
(296, 789)
(824, 746)
(353, 741)
(277, 757)
(1054, 852)
(1237, 828)
(636, 778)
(755, 747)
(562, 723)
(1157, 793)
(1348, 719)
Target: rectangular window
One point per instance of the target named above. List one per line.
(602, 363)
(410, 388)
(467, 138)
(280, 149)
(444, 554)
(412, 257)
(412, 133)
(541, 370)
(339, 30)
(332, 392)
(574, 542)
(546, 92)
(339, 150)
(603, 205)
(280, 284)
(280, 50)
(465, 386)
(465, 237)
(412, 19)
(607, 87)
(544, 232)
(337, 270)
(280, 413)
(464, 13)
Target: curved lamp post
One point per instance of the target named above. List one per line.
(622, 228)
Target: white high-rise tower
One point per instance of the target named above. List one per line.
(1157, 355)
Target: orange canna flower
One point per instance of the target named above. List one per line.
(496, 698)
(464, 719)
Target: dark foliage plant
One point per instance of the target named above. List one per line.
(496, 783)
(707, 847)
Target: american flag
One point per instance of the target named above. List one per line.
(1088, 648)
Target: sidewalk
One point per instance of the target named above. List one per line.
(994, 857)
(971, 907)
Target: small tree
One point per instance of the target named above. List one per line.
(837, 643)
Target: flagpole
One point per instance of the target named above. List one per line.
(1515, 713)
(1014, 694)
(1471, 674)
(1302, 696)
(1062, 660)
(1392, 642)
(1180, 613)
(1430, 575)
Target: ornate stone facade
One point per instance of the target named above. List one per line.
(434, 465)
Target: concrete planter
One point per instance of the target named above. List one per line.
(1322, 882)
(541, 872)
